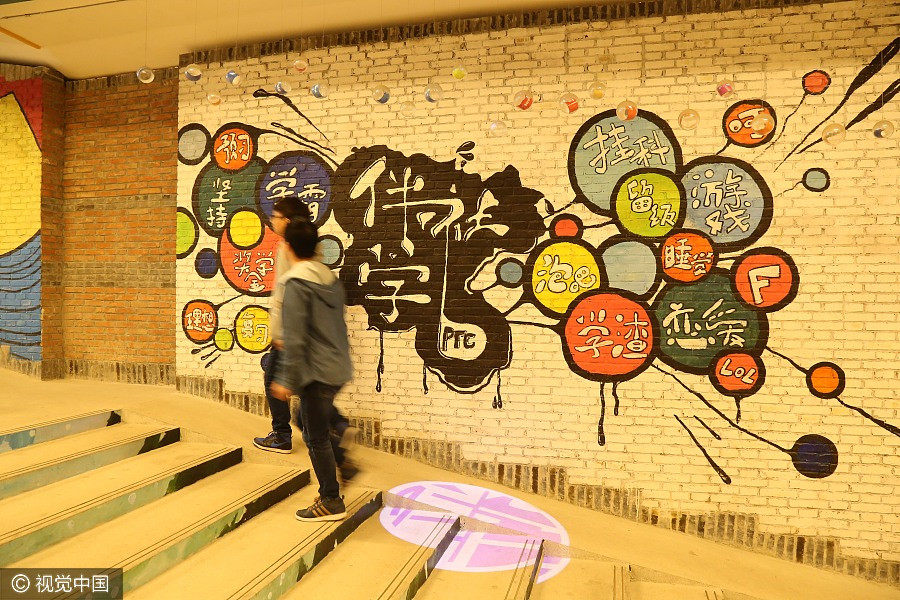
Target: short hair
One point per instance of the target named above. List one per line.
(293, 208)
(302, 236)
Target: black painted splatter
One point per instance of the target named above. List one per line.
(411, 256)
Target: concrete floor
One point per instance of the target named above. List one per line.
(24, 400)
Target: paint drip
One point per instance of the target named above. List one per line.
(380, 368)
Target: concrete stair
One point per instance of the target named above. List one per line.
(38, 518)
(583, 579)
(193, 520)
(165, 532)
(265, 558)
(27, 433)
(513, 584)
(383, 565)
(40, 464)
(644, 590)
(89, 490)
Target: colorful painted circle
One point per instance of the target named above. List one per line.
(814, 456)
(245, 229)
(199, 320)
(233, 147)
(224, 340)
(698, 321)
(207, 263)
(510, 272)
(250, 270)
(740, 123)
(825, 380)
(630, 265)
(560, 272)
(251, 329)
(332, 250)
(765, 278)
(480, 553)
(816, 179)
(687, 256)
(565, 226)
(737, 374)
(193, 144)
(816, 82)
(609, 336)
(648, 203)
(187, 233)
(297, 174)
(728, 200)
(218, 194)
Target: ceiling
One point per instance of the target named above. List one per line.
(90, 38)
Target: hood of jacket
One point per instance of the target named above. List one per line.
(319, 278)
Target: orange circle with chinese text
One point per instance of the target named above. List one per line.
(199, 320)
(687, 256)
(233, 149)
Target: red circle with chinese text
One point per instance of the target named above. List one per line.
(199, 320)
(737, 124)
(687, 257)
(233, 149)
(609, 335)
(250, 270)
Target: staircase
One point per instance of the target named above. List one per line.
(193, 520)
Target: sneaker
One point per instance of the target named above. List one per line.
(324, 509)
(348, 470)
(273, 443)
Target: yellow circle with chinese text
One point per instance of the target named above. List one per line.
(251, 329)
(561, 273)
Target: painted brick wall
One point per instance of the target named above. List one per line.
(119, 185)
(762, 483)
(21, 120)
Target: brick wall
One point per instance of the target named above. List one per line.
(119, 194)
(527, 418)
(52, 226)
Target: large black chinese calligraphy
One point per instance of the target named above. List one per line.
(421, 229)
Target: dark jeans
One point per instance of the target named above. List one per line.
(281, 412)
(317, 411)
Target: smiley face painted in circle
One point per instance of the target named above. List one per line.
(741, 127)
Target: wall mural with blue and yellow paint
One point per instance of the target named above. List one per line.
(20, 218)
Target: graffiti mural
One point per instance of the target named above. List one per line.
(675, 283)
(20, 218)
(231, 204)
(421, 229)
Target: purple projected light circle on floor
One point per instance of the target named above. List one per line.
(473, 551)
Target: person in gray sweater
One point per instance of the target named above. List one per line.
(316, 360)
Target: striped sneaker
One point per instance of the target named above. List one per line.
(324, 509)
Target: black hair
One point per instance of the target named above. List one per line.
(302, 236)
(293, 208)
